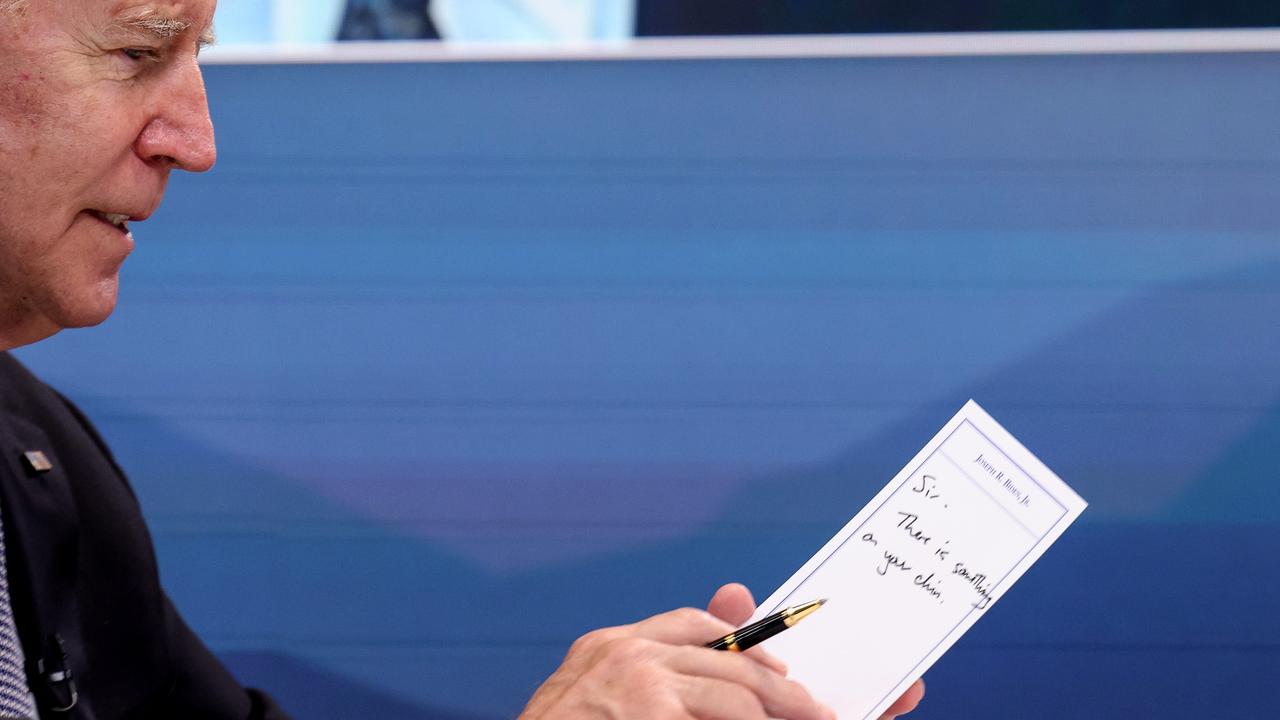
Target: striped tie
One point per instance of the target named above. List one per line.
(15, 697)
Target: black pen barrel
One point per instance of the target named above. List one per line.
(761, 630)
(751, 635)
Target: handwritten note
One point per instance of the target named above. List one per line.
(917, 567)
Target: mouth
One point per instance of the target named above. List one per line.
(119, 221)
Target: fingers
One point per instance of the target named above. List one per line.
(759, 655)
(908, 702)
(657, 668)
(780, 698)
(688, 626)
(685, 626)
(711, 699)
(732, 603)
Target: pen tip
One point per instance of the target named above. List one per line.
(800, 612)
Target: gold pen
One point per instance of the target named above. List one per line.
(761, 630)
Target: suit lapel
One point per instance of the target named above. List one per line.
(40, 532)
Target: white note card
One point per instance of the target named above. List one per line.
(917, 567)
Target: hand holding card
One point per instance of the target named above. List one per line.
(917, 567)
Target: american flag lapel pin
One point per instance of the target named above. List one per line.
(36, 461)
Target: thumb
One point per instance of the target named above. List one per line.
(732, 603)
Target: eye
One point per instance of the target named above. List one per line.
(137, 54)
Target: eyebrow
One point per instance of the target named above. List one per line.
(152, 23)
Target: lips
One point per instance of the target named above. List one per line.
(117, 220)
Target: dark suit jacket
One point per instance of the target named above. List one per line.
(387, 20)
(82, 575)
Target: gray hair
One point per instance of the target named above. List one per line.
(12, 5)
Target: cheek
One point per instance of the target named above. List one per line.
(25, 129)
(25, 96)
(48, 139)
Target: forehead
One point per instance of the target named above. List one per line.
(167, 17)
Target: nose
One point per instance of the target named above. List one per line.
(180, 131)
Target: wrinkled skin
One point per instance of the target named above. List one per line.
(656, 669)
(99, 101)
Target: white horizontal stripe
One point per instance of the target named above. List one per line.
(782, 46)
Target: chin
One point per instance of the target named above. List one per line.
(90, 310)
(97, 315)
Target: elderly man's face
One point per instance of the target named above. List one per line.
(99, 100)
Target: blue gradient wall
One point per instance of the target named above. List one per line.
(446, 364)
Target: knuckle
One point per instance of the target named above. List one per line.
(627, 650)
(668, 707)
(593, 640)
(687, 614)
(690, 616)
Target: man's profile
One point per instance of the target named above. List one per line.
(100, 100)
